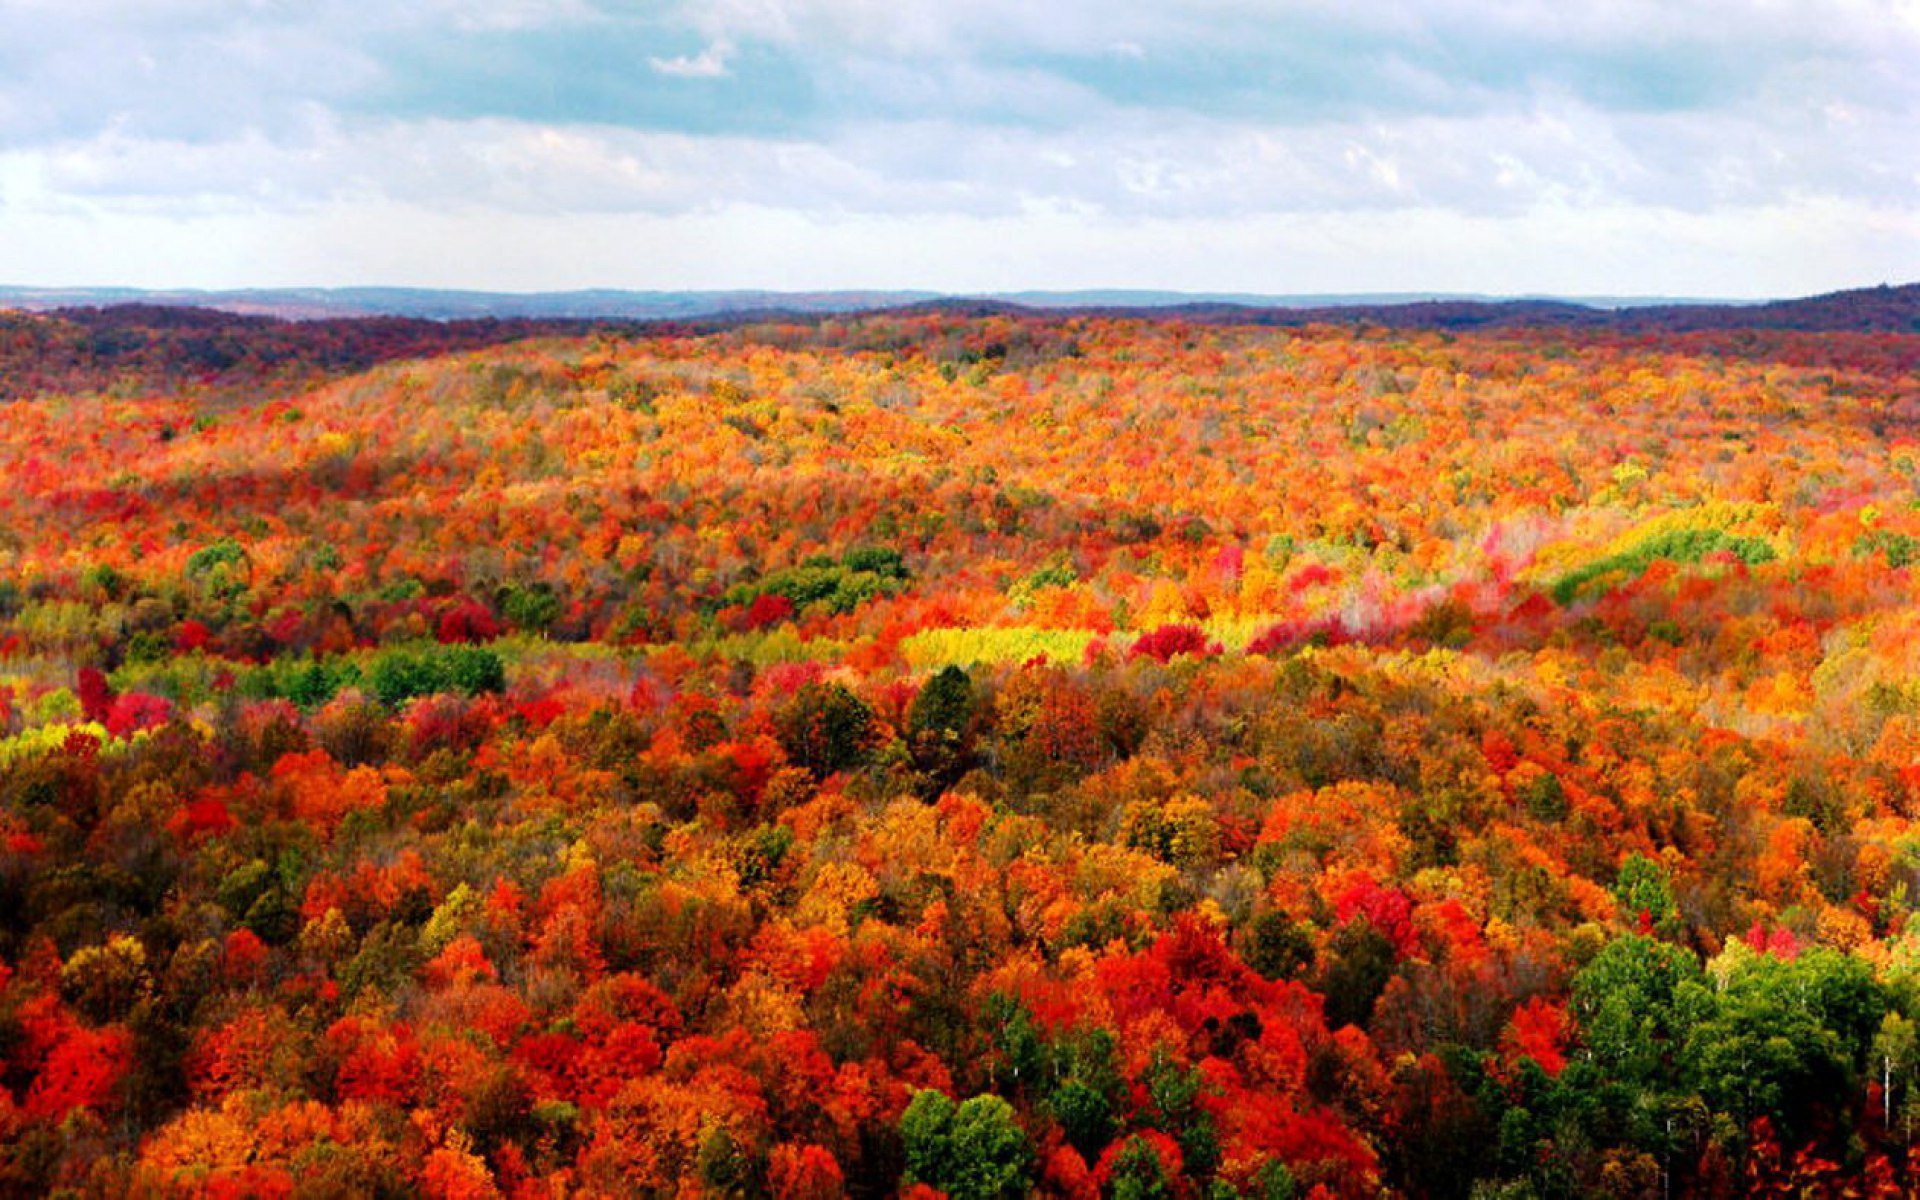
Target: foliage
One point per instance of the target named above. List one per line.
(971, 1151)
(1240, 761)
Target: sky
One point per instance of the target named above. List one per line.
(1605, 147)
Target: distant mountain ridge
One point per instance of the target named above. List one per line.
(1883, 309)
(603, 304)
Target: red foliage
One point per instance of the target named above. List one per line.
(375, 1061)
(767, 609)
(1168, 641)
(639, 947)
(203, 816)
(1284, 636)
(96, 697)
(1779, 942)
(466, 620)
(243, 955)
(82, 1069)
(1539, 1031)
(804, 1172)
(1387, 909)
(135, 711)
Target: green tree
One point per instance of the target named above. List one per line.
(531, 607)
(940, 728)
(1137, 1173)
(1625, 1002)
(1781, 1038)
(1276, 945)
(825, 728)
(971, 1151)
(1893, 1061)
(1642, 887)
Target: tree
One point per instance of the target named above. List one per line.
(1782, 1038)
(1626, 1002)
(940, 727)
(971, 1151)
(1645, 897)
(1355, 969)
(826, 728)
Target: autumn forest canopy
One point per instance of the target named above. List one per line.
(959, 752)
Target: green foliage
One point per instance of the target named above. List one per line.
(1085, 1114)
(531, 607)
(106, 580)
(223, 570)
(307, 682)
(1277, 1183)
(972, 1151)
(1626, 1001)
(944, 706)
(402, 673)
(325, 556)
(258, 896)
(761, 853)
(1075, 1076)
(1776, 1035)
(1055, 574)
(1818, 800)
(1642, 887)
(1901, 550)
(826, 728)
(861, 575)
(1544, 797)
(721, 1163)
(883, 561)
(1173, 1106)
(1674, 545)
(148, 648)
(1276, 945)
(226, 553)
(1138, 1175)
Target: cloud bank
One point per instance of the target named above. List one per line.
(1278, 145)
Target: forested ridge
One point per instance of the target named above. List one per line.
(972, 753)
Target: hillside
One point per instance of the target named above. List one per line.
(966, 750)
(142, 348)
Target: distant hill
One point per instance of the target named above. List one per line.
(147, 347)
(287, 339)
(1880, 310)
(602, 304)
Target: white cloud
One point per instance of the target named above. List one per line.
(710, 63)
(1128, 164)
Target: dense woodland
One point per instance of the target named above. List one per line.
(980, 755)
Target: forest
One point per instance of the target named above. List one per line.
(954, 753)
